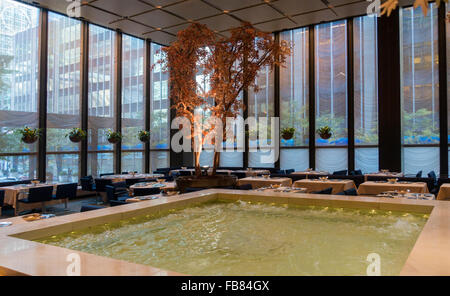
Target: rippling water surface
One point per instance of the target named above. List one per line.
(255, 239)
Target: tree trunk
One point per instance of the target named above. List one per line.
(198, 171)
(216, 162)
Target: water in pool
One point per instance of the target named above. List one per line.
(255, 239)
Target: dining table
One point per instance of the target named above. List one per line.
(320, 184)
(384, 174)
(311, 173)
(16, 192)
(123, 177)
(444, 192)
(258, 182)
(149, 185)
(377, 187)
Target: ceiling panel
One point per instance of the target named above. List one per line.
(276, 25)
(293, 7)
(127, 25)
(258, 14)
(221, 22)
(160, 37)
(161, 2)
(358, 8)
(314, 18)
(193, 9)
(97, 16)
(233, 4)
(121, 7)
(158, 19)
(174, 30)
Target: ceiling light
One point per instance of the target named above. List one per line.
(226, 11)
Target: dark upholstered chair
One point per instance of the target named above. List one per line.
(239, 175)
(325, 191)
(340, 173)
(245, 187)
(87, 208)
(87, 183)
(101, 183)
(106, 174)
(114, 193)
(146, 191)
(36, 198)
(66, 192)
(356, 173)
(2, 200)
(419, 174)
(351, 192)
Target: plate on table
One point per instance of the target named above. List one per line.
(380, 181)
(5, 224)
(404, 182)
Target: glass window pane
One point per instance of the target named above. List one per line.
(366, 80)
(261, 159)
(425, 159)
(331, 81)
(133, 106)
(159, 159)
(132, 161)
(331, 93)
(420, 86)
(62, 167)
(294, 88)
(331, 159)
(297, 159)
(18, 86)
(232, 159)
(63, 95)
(100, 163)
(366, 160)
(101, 98)
(160, 114)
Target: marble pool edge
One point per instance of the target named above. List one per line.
(21, 256)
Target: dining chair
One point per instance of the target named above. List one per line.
(419, 174)
(146, 191)
(340, 173)
(325, 191)
(100, 187)
(38, 195)
(114, 194)
(2, 200)
(66, 192)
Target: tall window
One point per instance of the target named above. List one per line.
(331, 94)
(101, 100)
(133, 105)
(420, 90)
(160, 114)
(294, 98)
(18, 87)
(365, 93)
(63, 97)
(261, 105)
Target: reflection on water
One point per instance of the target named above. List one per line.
(255, 239)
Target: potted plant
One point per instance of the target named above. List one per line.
(76, 135)
(144, 136)
(29, 135)
(325, 132)
(288, 133)
(114, 137)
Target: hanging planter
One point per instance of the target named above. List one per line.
(76, 135)
(325, 132)
(29, 135)
(114, 137)
(288, 133)
(144, 136)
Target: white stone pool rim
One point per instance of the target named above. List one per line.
(21, 256)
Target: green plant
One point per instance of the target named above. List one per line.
(325, 132)
(29, 135)
(114, 137)
(144, 136)
(288, 133)
(76, 134)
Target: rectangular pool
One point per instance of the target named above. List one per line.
(254, 238)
